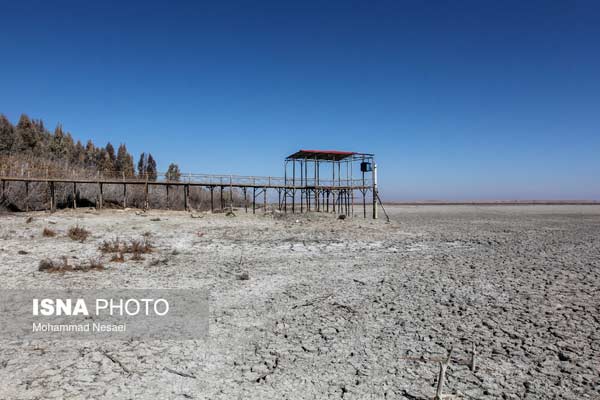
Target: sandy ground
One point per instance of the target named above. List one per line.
(352, 309)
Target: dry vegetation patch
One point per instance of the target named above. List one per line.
(135, 247)
(118, 257)
(47, 232)
(139, 246)
(48, 265)
(78, 233)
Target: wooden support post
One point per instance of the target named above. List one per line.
(222, 204)
(74, 195)
(442, 377)
(186, 199)
(265, 199)
(279, 199)
(146, 203)
(212, 199)
(473, 365)
(124, 195)
(49, 186)
(168, 206)
(333, 194)
(328, 193)
(245, 199)
(101, 195)
(254, 200)
(3, 190)
(27, 196)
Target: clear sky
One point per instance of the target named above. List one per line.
(457, 99)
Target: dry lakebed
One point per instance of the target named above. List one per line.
(313, 307)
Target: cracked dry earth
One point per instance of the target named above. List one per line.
(343, 309)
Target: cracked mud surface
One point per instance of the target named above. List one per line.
(353, 309)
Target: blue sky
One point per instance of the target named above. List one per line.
(458, 100)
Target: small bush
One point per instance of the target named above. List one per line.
(92, 264)
(118, 257)
(47, 232)
(47, 265)
(140, 247)
(134, 246)
(112, 246)
(78, 233)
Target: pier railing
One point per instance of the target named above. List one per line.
(182, 178)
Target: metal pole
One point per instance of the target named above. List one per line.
(301, 187)
(364, 192)
(285, 186)
(374, 190)
(294, 187)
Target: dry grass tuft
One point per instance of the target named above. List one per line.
(48, 265)
(134, 246)
(140, 246)
(78, 233)
(118, 257)
(112, 246)
(47, 232)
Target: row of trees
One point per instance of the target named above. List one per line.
(29, 139)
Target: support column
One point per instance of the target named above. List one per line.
(212, 199)
(279, 199)
(265, 199)
(254, 200)
(101, 195)
(74, 195)
(26, 196)
(146, 203)
(245, 199)
(124, 196)
(186, 197)
(168, 207)
(221, 203)
(50, 189)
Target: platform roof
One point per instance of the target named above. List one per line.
(330, 155)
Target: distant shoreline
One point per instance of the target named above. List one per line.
(493, 203)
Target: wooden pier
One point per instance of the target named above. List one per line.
(301, 189)
(327, 197)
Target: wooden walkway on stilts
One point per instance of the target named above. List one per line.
(335, 196)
